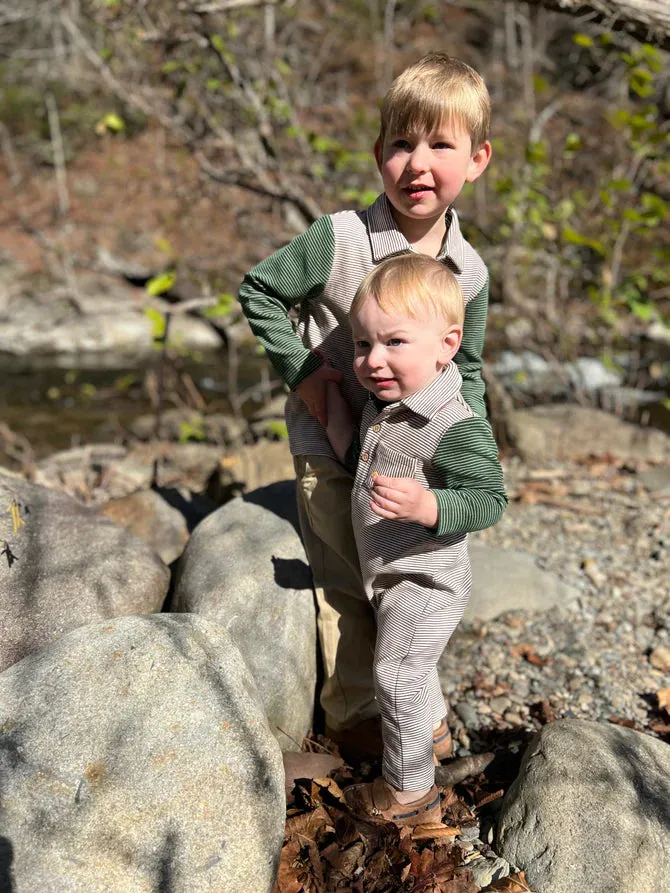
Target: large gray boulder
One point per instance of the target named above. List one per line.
(152, 519)
(565, 431)
(66, 567)
(590, 810)
(135, 757)
(508, 580)
(245, 568)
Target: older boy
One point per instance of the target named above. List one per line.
(433, 139)
(426, 473)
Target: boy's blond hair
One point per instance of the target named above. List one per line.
(413, 285)
(437, 90)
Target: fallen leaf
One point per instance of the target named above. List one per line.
(622, 721)
(434, 832)
(527, 651)
(309, 824)
(287, 878)
(515, 883)
(661, 728)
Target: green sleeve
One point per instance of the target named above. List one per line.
(473, 496)
(296, 273)
(469, 356)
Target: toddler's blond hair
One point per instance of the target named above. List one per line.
(436, 90)
(413, 285)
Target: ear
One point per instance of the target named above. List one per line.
(378, 151)
(479, 162)
(451, 341)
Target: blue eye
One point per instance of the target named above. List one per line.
(394, 342)
(361, 345)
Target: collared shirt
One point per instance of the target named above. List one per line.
(318, 273)
(433, 437)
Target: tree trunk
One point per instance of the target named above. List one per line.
(647, 20)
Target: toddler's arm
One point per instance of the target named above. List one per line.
(340, 427)
(473, 496)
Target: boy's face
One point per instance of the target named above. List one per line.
(394, 356)
(424, 173)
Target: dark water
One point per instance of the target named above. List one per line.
(55, 409)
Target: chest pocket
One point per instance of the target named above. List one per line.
(392, 464)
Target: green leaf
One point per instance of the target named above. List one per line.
(278, 428)
(644, 310)
(160, 284)
(218, 44)
(223, 307)
(110, 123)
(194, 430)
(158, 323)
(582, 40)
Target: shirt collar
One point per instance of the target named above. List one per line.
(429, 400)
(387, 240)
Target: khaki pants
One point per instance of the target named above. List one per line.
(345, 622)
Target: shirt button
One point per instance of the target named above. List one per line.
(365, 456)
(376, 427)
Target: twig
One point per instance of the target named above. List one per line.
(58, 153)
(224, 5)
(10, 157)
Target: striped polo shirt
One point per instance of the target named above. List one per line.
(317, 274)
(434, 437)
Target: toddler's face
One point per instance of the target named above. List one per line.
(394, 356)
(424, 173)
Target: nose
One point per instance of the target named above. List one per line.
(375, 357)
(418, 160)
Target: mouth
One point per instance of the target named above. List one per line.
(382, 382)
(417, 190)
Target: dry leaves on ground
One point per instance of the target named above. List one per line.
(326, 849)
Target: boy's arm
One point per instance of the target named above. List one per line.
(473, 496)
(469, 356)
(295, 273)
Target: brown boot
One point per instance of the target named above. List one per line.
(443, 746)
(376, 802)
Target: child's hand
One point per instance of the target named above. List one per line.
(312, 391)
(403, 499)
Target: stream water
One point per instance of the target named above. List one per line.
(56, 408)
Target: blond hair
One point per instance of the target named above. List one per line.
(437, 90)
(413, 285)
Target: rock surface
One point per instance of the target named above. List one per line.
(71, 567)
(590, 810)
(135, 757)
(148, 516)
(508, 580)
(245, 568)
(565, 431)
(103, 324)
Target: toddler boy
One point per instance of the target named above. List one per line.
(427, 473)
(433, 138)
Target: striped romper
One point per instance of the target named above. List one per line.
(418, 580)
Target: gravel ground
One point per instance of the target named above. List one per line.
(596, 526)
